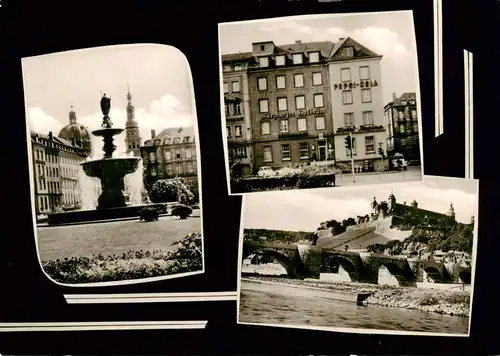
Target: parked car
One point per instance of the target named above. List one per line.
(399, 162)
(266, 171)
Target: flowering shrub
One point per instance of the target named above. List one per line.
(130, 265)
(169, 190)
(294, 181)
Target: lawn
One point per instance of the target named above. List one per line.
(110, 238)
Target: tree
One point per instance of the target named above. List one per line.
(335, 227)
(169, 190)
(348, 222)
(383, 207)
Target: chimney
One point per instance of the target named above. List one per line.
(341, 38)
(394, 97)
(153, 134)
(298, 41)
(50, 135)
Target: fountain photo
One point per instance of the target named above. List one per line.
(114, 155)
(391, 258)
(315, 101)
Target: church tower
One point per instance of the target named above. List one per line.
(133, 139)
(451, 212)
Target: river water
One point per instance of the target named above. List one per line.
(285, 305)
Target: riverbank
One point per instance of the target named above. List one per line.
(447, 302)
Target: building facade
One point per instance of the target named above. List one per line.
(55, 173)
(133, 140)
(402, 121)
(356, 98)
(237, 112)
(170, 154)
(291, 113)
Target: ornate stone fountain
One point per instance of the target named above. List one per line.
(109, 170)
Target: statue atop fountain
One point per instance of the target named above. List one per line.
(109, 170)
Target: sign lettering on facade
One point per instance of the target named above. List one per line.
(351, 85)
(289, 114)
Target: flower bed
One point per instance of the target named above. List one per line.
(295, 181)
(131, 265)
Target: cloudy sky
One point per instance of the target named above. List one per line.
(304, 210)
(390, 34)
(158, 75)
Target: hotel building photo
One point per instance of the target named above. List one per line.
(289, 105)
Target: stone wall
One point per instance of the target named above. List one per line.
(357, 227)
(383, 227)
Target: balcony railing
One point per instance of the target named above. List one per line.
(292, 135)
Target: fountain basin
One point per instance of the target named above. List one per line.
(111, 166)
(110, 132)
(101, 215)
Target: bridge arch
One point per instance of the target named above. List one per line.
(433, 273)
(403, 275)
(283, 260)
(332, 263)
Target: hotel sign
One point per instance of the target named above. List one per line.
(289, 114)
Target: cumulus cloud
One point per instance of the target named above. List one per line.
(305, 210)
(163, 113)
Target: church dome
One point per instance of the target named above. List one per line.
(76, 133)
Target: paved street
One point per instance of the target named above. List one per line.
(413, 174)
(109, 238)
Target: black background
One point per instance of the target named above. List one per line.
(29, 28)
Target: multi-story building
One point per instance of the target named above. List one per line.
(402, 122)
(357, 104)
(133, 140)
(237, 112)
(290, 108)
(170, 154)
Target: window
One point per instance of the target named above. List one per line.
(178, 154)
(169, 169)
(267, 153)
(152, 157)
(402, 128)
(403, 102)
(314, 57)
(241, 151)
(263, 105)
(235, 87)
(280, 82)
(168, 156)
(370, 144)
(178, 169)
(228, 131)
(414, 114)
(368, 118)
(236, 109)
(282, 104)
(297, 58)
(298, 80)
(263, 62)
(227, 68)
(283, 125)
(280, 60)
(366, 95)
(412, 102)
(226, 87)
(304, 150)
(177, 140)
(317, 78)
(153, 171)
(415, 127)
(401, 115)
(364, 73)
(189, 167)
(348, 52)
(320, 123)
(187, 153)
(237, 131)
(347, 97)
(302, 124)
(318, 100)
(262, 83)
(265, 128)
(237, 67)
(300, 102)
(262, 47)
(349, 119)
(285, 152)
(345, 74)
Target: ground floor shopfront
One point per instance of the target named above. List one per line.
(293, 152)
(365, 151)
